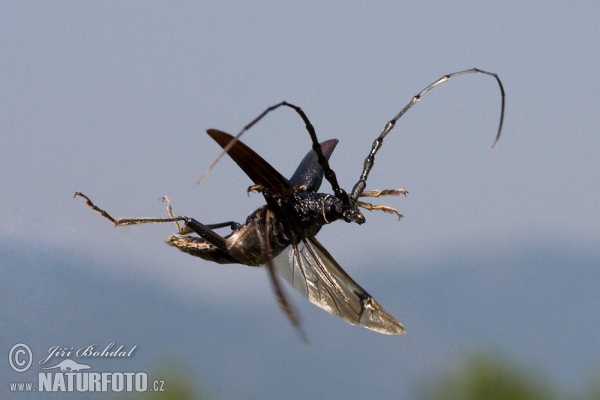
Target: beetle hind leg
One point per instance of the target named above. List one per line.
(127, 221)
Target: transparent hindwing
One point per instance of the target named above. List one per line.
(313, 272)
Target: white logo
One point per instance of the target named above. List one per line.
(20, 357)
(67, 375)
(69, 366)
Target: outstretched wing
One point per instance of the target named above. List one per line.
(309, 173)
(257, 169)
(313, 272)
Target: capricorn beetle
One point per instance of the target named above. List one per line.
(281, 234)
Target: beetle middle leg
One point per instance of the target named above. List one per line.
(210, 245)
(185, 230)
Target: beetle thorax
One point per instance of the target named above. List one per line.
(312, 211)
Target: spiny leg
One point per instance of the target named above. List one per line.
(185, 230)
(182, 230)
(127, 221)
(370, 160)
(219, 242)
(282, 299)
(255, 188)
(284, 303)
(205, 232)
(385, 192)
(379, 207)
(93, 206)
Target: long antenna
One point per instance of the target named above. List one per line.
(370, 160)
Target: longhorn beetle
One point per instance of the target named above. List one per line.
(281, 234)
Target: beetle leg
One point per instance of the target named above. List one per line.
(207, 234)
(282, 299)
(385, 192)
(93, 206)
(128, 221)
(379, 207)
(210, 246)
(255, 188)
(235, 226)
(285, 304)
(185, 230)
(182, 231)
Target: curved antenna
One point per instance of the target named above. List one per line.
(235, 139)
(370, 160)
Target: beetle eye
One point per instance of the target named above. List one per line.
(354, 215)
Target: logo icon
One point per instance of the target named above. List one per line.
(20, 357)
(69, 365)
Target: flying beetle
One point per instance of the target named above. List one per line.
(281, 234)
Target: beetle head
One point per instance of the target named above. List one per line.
(353, 214)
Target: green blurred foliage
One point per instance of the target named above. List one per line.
(489, 377)
(480, 376)
(593, 393)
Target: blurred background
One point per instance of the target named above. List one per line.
(493, 271)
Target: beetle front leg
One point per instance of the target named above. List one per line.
(379, 207)
(385, 192)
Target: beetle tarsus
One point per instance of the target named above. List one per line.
(94, 207)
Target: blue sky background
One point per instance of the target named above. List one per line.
(498, 249)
